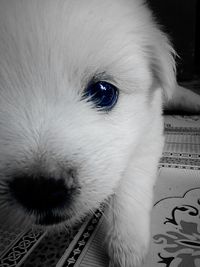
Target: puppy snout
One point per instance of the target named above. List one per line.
(40, 194)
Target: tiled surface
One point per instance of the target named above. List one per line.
(17, 244)
(175, 220)
(175, 225)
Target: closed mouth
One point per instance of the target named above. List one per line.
(48, 219)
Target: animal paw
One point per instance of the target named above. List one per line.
(127, 256)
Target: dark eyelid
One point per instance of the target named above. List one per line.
(101, 76)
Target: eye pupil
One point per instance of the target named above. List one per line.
(103, 94)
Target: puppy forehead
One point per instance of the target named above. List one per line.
(73, 37)
(69, 26)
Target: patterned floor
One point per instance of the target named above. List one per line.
(175, 218)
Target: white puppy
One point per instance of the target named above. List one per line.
(81, 91)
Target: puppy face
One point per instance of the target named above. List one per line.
(63, 150)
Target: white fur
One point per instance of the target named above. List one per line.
(184, 99)
(49, 51)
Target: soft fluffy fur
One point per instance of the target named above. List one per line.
(49, 52)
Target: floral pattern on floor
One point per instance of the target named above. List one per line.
(176, 235)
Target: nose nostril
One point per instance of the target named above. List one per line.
(40, 193)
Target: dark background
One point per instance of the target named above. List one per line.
(181, 21)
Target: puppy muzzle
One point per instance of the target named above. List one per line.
(44, 198)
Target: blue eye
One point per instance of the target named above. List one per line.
(103, 94)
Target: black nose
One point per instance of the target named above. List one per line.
(40, 194)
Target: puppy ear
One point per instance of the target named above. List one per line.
(163, 63)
